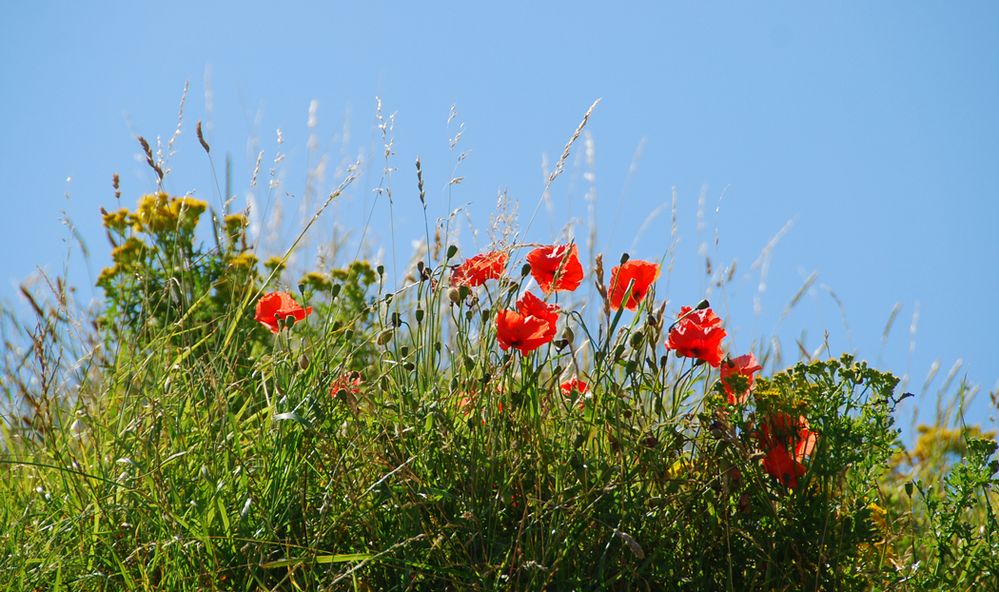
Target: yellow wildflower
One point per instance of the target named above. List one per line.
(117, 220)
(129, 252)
(316, 280)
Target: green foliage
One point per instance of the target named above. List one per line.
(386, 442)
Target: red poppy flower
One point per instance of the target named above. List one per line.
(642, 273)
(523, 332)
(787, 442)
(275, 307)
(698, 335)
(531, 305)
(349, 383)
(742, 366)
(475, 271)
(556, 268)
(781, 429)
(573, 384)
(778, 463)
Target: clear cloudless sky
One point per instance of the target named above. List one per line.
(872, 127)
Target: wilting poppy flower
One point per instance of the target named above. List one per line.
(531, 305)
(275, 307)
(742, 366)
(475, 271)
(349, 383)
(556, 268)
(643, 273)
(346, 387)
(697, 335)
(573, 384)
(523, 332)
(787, 442)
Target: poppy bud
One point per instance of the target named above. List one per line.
(420, 266)
(454, 295)
(452, 251)
(396, 320)
(419, 315)
(624, 258)
(385, 336)
(702, 304)
(303, 362)
(636, 340)
(334, 290)
(381, 270)
(526, 269)
(568, 335)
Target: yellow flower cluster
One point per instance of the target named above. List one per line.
(316, 281)
(130, 251)
(357, 269)
(235, 227)
(158, 213)
(935, 442)
(243, 261)
(118, 221)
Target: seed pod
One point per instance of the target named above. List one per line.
(637, 339)
(385, 336)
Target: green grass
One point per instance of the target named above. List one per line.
(169, 441)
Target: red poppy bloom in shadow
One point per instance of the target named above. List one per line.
(744, 366)
(531, 305)
(698, 335)
(525, 333)
(275, 307)
(475, 271)
(786, 442)
(556, 268)
(642, 273)
(779, 464)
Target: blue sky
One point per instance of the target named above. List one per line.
(872, 127)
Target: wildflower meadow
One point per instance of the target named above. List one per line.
(521, 416)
